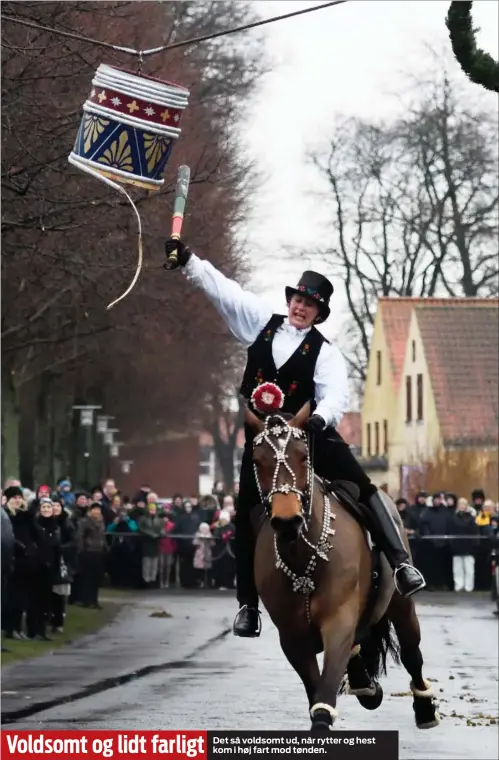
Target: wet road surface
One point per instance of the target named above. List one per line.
(203, 677)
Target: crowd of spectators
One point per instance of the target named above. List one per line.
(68, 542)
(451, 538)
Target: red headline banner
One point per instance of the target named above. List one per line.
(76, 745)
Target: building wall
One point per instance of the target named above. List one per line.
(166, 466)
(416, 441)
(379, 399)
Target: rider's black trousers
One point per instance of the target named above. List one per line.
(333, 460)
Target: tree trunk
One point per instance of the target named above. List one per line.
(27, 435)
(10, 428)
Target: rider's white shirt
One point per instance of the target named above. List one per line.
(246, 314)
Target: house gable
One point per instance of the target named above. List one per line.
(378, 391)
(417, 430)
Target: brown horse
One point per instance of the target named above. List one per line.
(313, 570)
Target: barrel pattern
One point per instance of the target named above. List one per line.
(129, 127)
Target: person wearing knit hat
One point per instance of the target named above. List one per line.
(12, 491)
(15, 499)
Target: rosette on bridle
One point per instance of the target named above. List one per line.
(267, 398)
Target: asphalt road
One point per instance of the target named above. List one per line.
(202, 677)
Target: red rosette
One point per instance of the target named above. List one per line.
(267, 397)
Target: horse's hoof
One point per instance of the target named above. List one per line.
(322, 721)
(425, 712)
(372, 701)
(320, 727)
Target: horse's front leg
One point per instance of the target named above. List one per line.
(301, 656)
(338, 632)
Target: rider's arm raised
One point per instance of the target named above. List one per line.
(332, 392)
(244, 313)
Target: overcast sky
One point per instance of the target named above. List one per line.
(343, 60)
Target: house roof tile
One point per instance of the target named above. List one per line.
(461, 344)
(396, 316)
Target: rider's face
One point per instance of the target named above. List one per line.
(302, 311)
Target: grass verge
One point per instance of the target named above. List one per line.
(79, 622)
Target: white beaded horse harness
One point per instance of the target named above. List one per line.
(277, 427)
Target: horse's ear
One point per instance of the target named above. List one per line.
(302, 416)
(253, 422)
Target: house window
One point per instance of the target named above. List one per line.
(385, 437)
(419, 382)
(413, 350)
(376, 439)
(378, 367)
(206, 460)
(408, 398)
(368, 436)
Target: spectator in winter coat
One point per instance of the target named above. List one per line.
(484, 517)
(124, 554)
(7, 555)
(406, 517)
(203, 555)
(223, 559)
(151, 530)
(167, 548)
(47, 563)
(434, 524)
(91, 543)
(23, 567)
(64, 491)
(65, 575)
(462, 523)
(186, 525)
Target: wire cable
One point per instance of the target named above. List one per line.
(173, 45)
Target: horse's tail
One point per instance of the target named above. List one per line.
(378, 644)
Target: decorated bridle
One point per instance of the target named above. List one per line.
(269, 397)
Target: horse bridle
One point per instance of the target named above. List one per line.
(276, 426)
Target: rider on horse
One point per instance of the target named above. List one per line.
(292, 353)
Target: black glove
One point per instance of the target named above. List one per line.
(183, 253)
(315, 424)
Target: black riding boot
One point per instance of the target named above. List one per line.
(406, 577)
(247, 622)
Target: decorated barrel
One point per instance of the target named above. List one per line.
(129, 126)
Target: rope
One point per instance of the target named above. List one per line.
(182, 43)
(122, 190)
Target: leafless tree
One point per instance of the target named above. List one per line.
(68, 245)
(413, 205)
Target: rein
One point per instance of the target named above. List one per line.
(280, 429)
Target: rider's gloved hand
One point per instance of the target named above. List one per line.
(183, 252)
(315, 424)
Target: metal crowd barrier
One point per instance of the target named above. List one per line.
(431, 554)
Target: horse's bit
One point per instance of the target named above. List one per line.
(283, 432)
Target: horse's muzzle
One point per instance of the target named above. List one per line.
(287, 528)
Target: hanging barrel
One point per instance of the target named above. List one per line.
(129, 126)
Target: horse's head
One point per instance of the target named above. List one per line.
(282, 468)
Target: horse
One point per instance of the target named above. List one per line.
(313, 566)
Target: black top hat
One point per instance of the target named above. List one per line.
(316, 287)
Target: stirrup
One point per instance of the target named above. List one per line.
(415, 569)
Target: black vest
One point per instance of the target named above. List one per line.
(296, 376)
